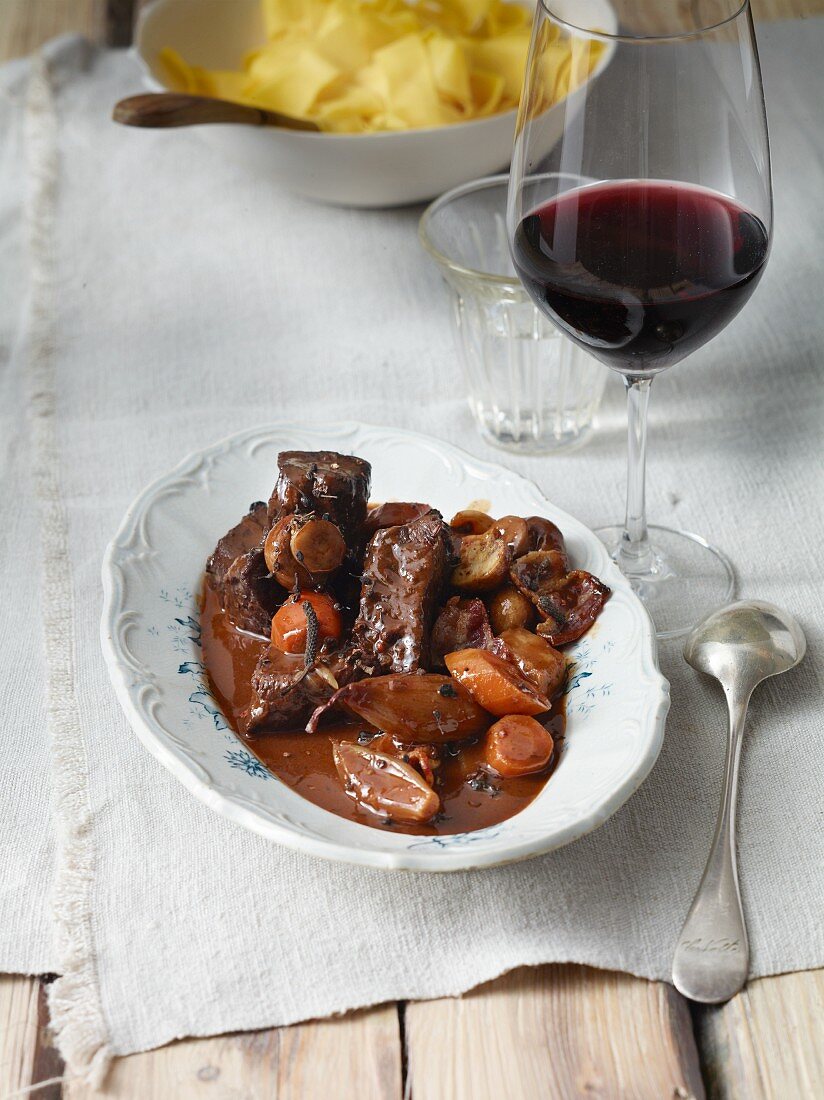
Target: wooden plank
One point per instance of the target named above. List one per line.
(119, 20)
(768, 1042)
(762, 9)
(554, 1033)
(663, 19)
(18, 1031)
(354, 1057)
(25, 24)
(27, 1056)
(786, 9)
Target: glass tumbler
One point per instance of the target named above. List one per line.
(531, 390)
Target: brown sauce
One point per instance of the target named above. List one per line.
(304, 761)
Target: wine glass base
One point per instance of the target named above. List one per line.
(688, 578)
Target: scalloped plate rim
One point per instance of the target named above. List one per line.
(182, 766)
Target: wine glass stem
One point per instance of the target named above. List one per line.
(634, 555)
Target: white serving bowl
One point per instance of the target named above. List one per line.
(616, 699)
(380, 169)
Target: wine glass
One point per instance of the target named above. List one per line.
(644, 229)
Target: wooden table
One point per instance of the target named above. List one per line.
(546, 1033)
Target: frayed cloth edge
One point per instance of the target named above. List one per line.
(74, 999)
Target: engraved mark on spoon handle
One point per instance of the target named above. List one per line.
(712, 954)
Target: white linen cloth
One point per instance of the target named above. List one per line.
(26, 836)
(175, 299)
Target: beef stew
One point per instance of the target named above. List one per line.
(395, 669)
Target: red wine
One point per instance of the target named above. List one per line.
(640, 273)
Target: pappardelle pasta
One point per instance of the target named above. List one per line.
(357, 66)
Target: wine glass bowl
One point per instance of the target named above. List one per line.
(654, 270)
(645, 230)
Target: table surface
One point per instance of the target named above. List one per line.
(543, 1033)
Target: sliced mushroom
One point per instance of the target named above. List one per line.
(471, 522)
(303, 551)
(569, 602)
(535, 573)
(278, 552)
(544, 535)
(319, 546)
(484, 562)
(572, 606)
(384, 784)
(516, 535)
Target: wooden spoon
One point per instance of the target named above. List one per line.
(163, 110)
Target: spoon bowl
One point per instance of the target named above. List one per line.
(739, 646)
(745, 643)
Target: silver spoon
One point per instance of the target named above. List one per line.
(739, 646)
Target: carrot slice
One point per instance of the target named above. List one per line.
(497, 685)
(291, 621)
(518, 745)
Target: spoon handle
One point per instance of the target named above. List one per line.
(164, 110)
(712, 954)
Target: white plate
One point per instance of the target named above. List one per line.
(617, 698)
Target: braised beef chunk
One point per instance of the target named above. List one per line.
(404, 571)
(246, 535)
(285, 693)
(393, 513)
(326, 483)
(239, 575)
(250, 594)
(462, 624)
